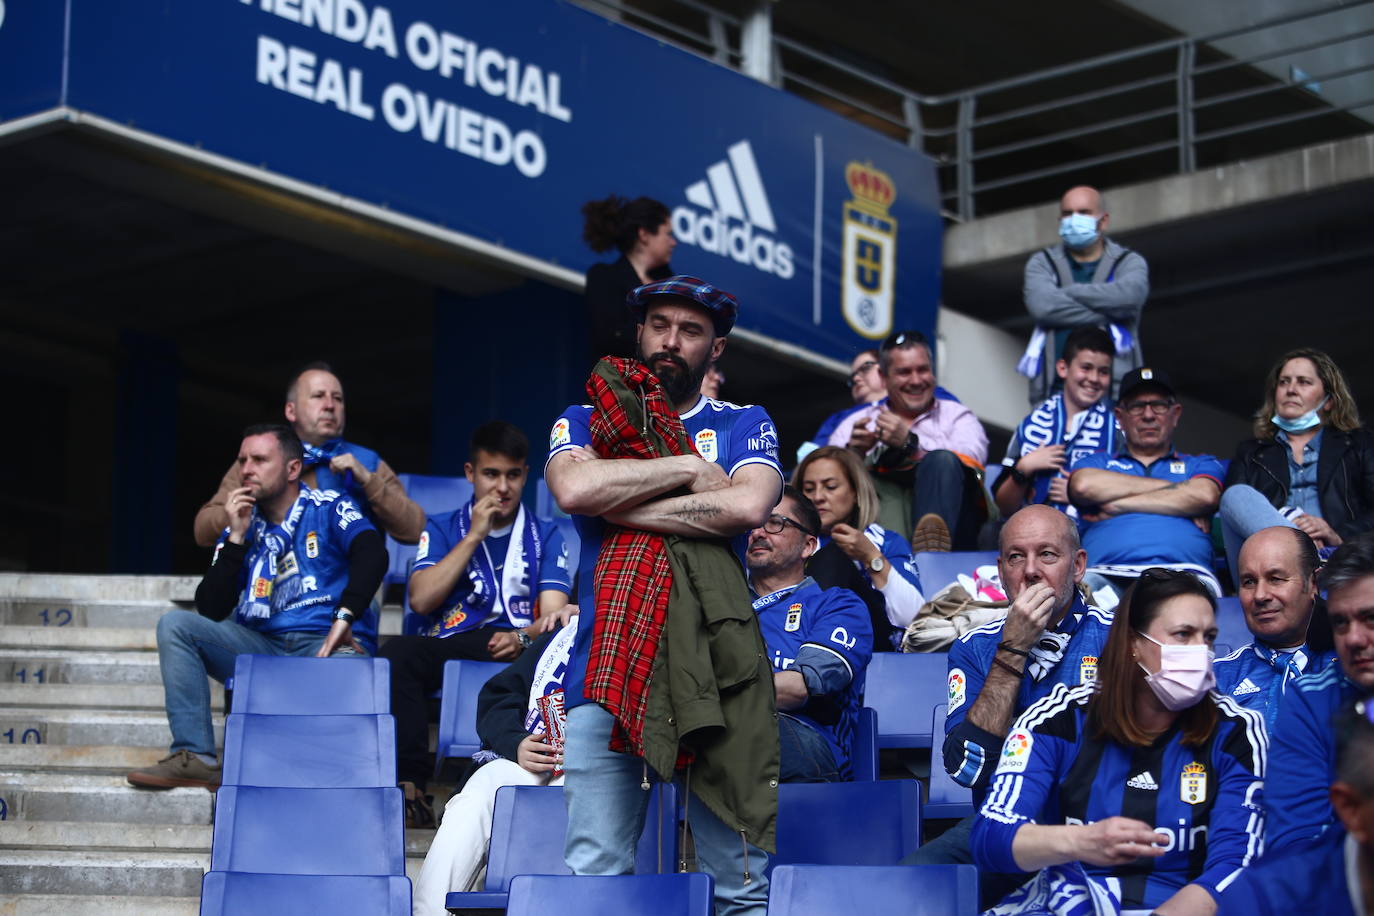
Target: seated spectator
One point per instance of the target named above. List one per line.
(1311, 463)
(1145, 788)
(1074, 422)
(819, 640)
(925, 453)
(642, 232)
(1334, 874)
(315, 410)
(1278, 591)
(1302, 759)
(712, 382)
(1050, 637)
(296, 568)
(866, 385)
(1146, 505)
(515, 752)
(483, 575)
(1087, 282)
(837, 485)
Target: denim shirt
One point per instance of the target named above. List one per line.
(1302, 478)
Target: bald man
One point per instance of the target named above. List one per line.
(1277, 585)
(1085, 281)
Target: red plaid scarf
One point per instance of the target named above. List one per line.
(633, 576)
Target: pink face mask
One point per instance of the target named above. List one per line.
(1184, 676)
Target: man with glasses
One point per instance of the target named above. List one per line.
(820, 641)
(1147, 504)
(1087, 281)
(924, 453)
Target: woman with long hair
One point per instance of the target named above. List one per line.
(1145, 786)
(837, 484)
(641, 231)
(1311, 463)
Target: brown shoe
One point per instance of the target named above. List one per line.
(931, 535)
(180, 769)
(419, 807)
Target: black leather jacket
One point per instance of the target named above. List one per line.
(1345, 476)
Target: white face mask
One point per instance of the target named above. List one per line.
(1184, 676)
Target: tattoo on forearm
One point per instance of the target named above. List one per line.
(695, 512)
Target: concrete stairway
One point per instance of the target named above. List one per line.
(81, 704)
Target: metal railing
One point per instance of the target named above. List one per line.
(1155, 110)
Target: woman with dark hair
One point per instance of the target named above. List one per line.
(1145, 786)
(1311, 463)
(842, 492)
(643, 234)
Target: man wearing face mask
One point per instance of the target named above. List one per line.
(1087, 281)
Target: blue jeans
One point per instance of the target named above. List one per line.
(606, 809)
(945, 485)
(190, 646)
(804, 755)
(1244, 511)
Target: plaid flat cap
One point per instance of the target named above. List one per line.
(723, 307)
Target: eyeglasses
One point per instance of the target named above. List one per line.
(863, 368)
(903, 339)
(777, 523)
(1138, 408)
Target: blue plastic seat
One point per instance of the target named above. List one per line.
(863, 756)
(528, 826)
(434, 495)
(1232, 631)
(903, 687)
(310, 752)
(234, 893)
(463, 681)
(947, 798)
(848, 823)
(289, 686)
(940, 569)
(309, 831)
(913, 890)
(622, 895)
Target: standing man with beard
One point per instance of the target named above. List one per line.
(1089, 281)
(729, 486)
(315, 410)
(296, 568)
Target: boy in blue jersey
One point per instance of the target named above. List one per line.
(727, 488)
(820, 641)
(1049, 637)
(1147, 504)
(1302, 759)
(1278, 591)
(1071, 424)
(297, 569)
(315, 409)
(489, 577)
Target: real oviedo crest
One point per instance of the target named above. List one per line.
(870, 251)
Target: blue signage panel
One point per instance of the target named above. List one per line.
(31, 56)
(501, 119)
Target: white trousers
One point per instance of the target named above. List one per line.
(457, 858)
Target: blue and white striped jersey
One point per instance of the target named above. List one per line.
(1207, 800)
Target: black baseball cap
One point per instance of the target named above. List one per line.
(1144, 377)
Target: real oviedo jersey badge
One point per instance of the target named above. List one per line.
(312, 545)
(794, 613)
(705, 443)
(1193, 784)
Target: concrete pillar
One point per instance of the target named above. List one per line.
(756, 42)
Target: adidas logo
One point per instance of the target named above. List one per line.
(739, 224)
(1245, 687)
(1143, 781)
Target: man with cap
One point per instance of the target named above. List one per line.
(315, 410)
(725, 482)
(1088, 281)
(1146, 504)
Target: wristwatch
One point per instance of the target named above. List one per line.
(524, 638)
(345, 615)
(877, 563)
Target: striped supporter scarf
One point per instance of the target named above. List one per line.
(633, 577)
